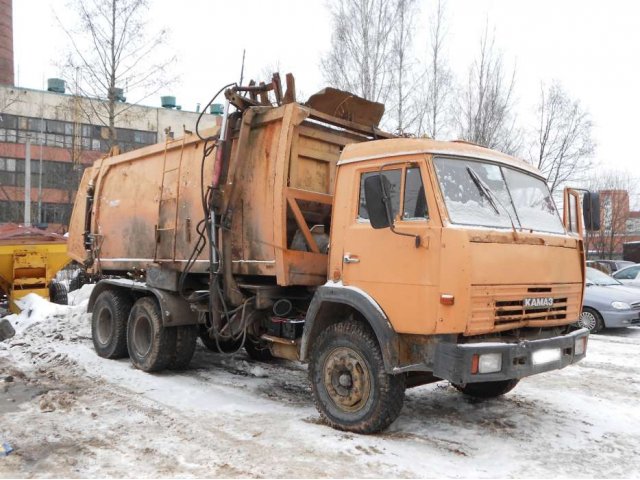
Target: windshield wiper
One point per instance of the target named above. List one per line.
(484, 189)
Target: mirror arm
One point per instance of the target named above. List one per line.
(387, 204)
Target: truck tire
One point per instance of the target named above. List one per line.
(257, 349)
(591, 319)
(58, 293)
(109, 324)
(186, 337)
(226, 346)
(351, 388)
(486, 390)
(78, 281)
(151, 346)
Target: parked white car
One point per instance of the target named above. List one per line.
(630, 276)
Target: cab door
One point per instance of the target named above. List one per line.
(572, 212)
(399, 276)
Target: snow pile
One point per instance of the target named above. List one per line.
(41, 323)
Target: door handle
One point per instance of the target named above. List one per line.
(349, 259)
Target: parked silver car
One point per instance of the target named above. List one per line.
(608, 303)
(630, 275)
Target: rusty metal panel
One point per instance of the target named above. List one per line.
(133, 203)
(347, 106)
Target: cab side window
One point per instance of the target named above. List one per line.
(394, 177)
(415, 201)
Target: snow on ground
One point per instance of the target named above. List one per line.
(69, 413)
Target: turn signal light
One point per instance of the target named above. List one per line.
(446, 299)
(474, 363)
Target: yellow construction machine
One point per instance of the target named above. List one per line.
(29, 261)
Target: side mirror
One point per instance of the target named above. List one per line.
(376, 188)
(591, 211)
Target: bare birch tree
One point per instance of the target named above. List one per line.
(359, 59)
(112, 50)
(562, 146)
(438, 84)
(404, 81)
(485, 111)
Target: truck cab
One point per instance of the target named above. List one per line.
(470, 273)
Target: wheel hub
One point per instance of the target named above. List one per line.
(588, 320)
(104, 327)
(142, 333)
(347, 379)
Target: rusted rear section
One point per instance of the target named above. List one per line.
(146, 206)
(274, 199)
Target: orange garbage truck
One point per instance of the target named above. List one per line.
(302, 231)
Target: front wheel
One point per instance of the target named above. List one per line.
(486, 390)
(351, 388)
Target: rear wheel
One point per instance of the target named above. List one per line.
(109, 324)
(151, 346)
(485, 390)
(591, 319)
(58, 293)
(186, 337)
(350, 387)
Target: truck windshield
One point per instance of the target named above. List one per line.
(490, 195)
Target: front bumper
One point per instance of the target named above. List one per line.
(620, 318)
(454, 361)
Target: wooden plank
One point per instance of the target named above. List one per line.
(282, 153)
(294, 160)
(320, 132)
(252, 94)
(290, 94)
(356, 127)
(270, 115)
(314, 177)
(302, 224)
(263, 95)
(306, 268)
(308, 196)
(240, 153)
(277, 87)
(315, 154)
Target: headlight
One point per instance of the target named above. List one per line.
(580, 345)
(490, 363)
(621, 305)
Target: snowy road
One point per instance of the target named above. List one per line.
(69, 413)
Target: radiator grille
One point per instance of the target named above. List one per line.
(501, 307)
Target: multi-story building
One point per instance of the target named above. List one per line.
(63, 137)
(619, 225)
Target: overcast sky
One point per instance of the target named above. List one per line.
(592, 47)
